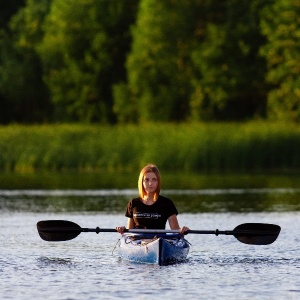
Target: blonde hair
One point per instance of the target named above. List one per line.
(148, 169)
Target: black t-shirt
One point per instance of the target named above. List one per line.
(153, 216)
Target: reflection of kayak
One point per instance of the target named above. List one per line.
(161, 249)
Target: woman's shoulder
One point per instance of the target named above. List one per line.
(165, 199)
(135, 200)
(168, 205)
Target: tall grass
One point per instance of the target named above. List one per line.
(208, 147)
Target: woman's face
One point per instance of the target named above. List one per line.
(150, 182)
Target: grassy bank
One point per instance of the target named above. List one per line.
(226, 147)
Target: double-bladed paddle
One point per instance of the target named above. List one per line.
(248, 233)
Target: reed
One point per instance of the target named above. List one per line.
(199, 147)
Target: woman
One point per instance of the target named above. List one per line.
(151, 210)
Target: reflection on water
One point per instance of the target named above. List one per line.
(53, 261)
(110, 192)
(189, 201)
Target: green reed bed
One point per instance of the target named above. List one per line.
(197, 147)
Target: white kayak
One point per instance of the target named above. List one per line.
(161, 249)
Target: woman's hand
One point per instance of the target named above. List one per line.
(121, 229)
(184, 229)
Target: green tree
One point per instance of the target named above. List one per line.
(25, 97)
(83, 53)
(7, 10)
(158, 64)
(230, 74)
(194, 60)
(281, 25)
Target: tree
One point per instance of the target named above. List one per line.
(83, 53)
(24, 96)
(158, 64)
(7, 10)
(194, 60)
(281, 25)
(230, 73)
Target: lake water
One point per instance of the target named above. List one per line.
(218, 267)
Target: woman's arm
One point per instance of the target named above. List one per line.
(130, 225)
(173, 222)
(174, 225)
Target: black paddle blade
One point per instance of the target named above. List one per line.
(58, 230)
(257, 233)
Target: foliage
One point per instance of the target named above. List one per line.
(8, 9)
(281, 25)
(82, 52)
(203, 64)
(230, 81)
(135, 61)
(25, 97)
(198, 147)
(157, 66)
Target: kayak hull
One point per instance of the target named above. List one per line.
(160, 249)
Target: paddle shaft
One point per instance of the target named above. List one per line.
(154, 231)
(215, 232)
(248, 233)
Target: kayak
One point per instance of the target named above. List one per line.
(161, 249)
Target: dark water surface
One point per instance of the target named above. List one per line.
(218, 267)
(187, 201)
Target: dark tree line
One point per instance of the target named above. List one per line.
(113, 61)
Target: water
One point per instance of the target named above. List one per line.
(218, 267)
